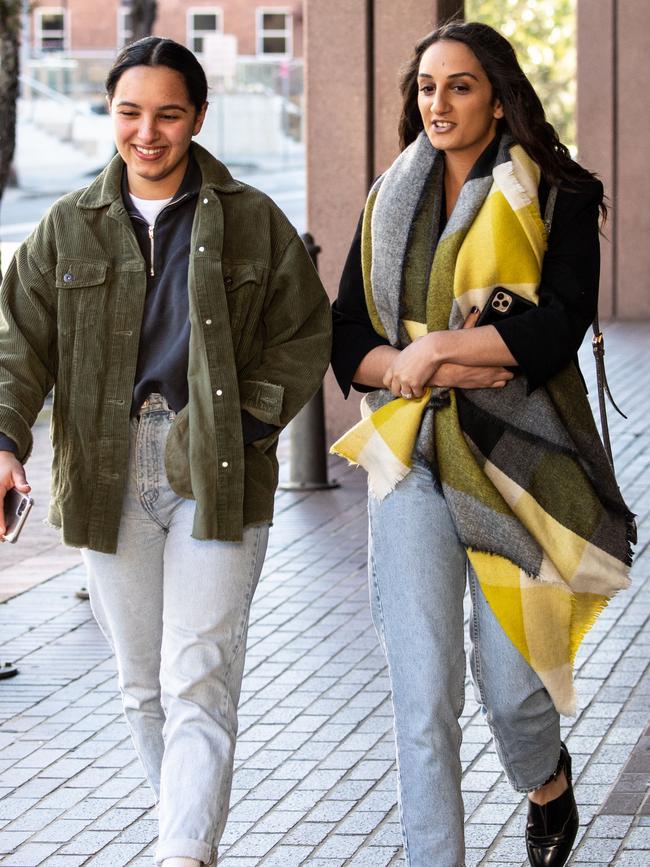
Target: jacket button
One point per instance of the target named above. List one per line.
(208, 322)
(67, 277)
(218, 392)
(205, 201)
(228, 281)
(224, 464)
(201, 249)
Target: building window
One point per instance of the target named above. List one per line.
(124, 26)
(201, 22)
(49, 30)
(274, 32)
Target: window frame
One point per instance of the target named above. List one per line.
(39, 34)
(261, 33)
(192, 33)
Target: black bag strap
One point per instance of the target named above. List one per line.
(598, 346)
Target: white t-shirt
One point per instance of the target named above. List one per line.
(149, 208)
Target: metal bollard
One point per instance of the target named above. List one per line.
(308, 451)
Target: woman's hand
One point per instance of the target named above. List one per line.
(12, 475)
(413, 368)
(416, 367)
(450, 375)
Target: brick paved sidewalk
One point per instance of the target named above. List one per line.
(315, 778)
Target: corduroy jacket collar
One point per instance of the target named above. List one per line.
(106, 188)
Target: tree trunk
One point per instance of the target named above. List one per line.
(9, 45)
(143, 15)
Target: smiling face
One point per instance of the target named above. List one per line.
(456, 103)
(153, 125)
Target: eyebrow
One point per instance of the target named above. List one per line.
(452, 75)
(172, 105)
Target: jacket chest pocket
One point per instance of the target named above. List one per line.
(245, 295)
(81, 295)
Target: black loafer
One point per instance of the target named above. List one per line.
(551, 829)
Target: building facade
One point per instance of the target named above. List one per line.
(264, 30)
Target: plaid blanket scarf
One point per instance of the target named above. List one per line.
(529, 486)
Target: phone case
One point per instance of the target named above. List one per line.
(16, 508)
(502, 304)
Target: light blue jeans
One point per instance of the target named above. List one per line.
(175, 611)
(418, 570)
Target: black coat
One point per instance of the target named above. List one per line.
(543, 340)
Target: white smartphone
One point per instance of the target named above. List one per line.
(16, 508)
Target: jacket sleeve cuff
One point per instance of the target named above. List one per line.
(263, 400)
(518, 342)
(541, 344)
(17, 431)
(7, 444)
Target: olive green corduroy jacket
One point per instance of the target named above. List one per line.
(71, 308)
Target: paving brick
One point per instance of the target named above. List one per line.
(632, 859)
(309, 833)
(115, 855)
(288, 856)
(279, 821)
(250, 810)
(88, 843)
(638, 838)
(610, 826)
(253, 845)
(239, 862)
(492, 813)
(10, 840)
(361, 822)
(294, 770)
(60, 831)
(116, 819)
(11, 808)
(339, 846)
(41, 758)
(143, 830)
(272, 789)
(141, 797)
(34, 820)
(374, 856)
(389, 834)
(598, 849)
(380, 799)
(36, 788)
(233, 832)
(29, 855)
(65, 861)
(118, 787)
(575, 863)
(481, 835)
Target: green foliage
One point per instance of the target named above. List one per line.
(543, 33)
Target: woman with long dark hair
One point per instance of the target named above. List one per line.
(466, 294)
(180, 320)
